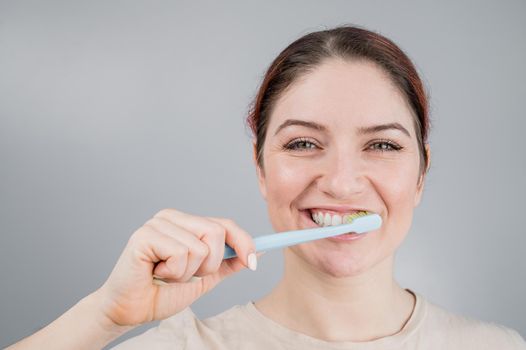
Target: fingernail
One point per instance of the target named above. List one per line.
(252, 261)
(195, 279)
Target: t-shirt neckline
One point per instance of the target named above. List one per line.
(273, 328)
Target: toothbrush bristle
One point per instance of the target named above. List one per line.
(349, 219)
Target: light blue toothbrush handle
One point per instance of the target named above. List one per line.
(285, 239)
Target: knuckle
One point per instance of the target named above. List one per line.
(181, 250)
(229, 222)
(201, 251)
(140, 234)
(218, 229)
(136, 244)
(151, 222)
(160, 213)
(165, 212)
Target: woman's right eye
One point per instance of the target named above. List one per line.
(300, 145)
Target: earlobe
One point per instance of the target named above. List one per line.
(261, 182)
(420, 184)
(419, 190)
(260, 174)
(428, 153)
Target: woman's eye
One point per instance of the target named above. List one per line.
(384, 146)
(300, 145)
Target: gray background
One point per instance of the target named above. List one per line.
(113, 110)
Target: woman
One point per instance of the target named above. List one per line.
(340, 125)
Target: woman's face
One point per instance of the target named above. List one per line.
(341, 139)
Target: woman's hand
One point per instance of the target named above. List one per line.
(173, 246)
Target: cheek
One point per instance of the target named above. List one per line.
(285, 182)
(397, 186)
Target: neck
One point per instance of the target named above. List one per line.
(361, 307)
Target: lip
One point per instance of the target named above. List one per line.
(346, 237)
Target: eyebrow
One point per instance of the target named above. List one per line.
(290, 122)
(382, 127)
(363, 130)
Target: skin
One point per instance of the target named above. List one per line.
(342, 290)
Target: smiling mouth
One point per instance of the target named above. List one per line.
(324, 217)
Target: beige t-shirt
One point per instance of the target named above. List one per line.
(245, 327)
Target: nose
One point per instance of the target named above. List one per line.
(343, 175)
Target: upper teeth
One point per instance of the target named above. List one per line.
(330, 219)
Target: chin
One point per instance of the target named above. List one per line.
(336, 264)
(343, 267)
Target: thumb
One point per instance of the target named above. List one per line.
(227, 268)
(233, 265)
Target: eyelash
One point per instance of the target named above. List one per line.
(293, 145)
(390, 145)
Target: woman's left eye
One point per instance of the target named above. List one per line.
(300, 145)
(384, 146)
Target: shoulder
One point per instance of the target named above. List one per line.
(455, 329)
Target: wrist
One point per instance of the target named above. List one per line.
(83, 327)
(95, 303)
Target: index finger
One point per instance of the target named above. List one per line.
(239, 240)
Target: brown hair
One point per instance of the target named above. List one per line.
(347, 42)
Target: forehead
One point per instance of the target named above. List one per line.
(343, 93)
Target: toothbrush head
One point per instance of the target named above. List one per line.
(347, 219)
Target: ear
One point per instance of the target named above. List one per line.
(260, 173)
(420, 184)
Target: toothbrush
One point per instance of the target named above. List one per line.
(358, 222)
